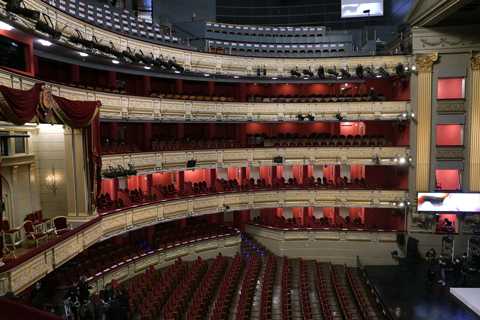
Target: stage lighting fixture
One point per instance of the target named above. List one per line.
(310, 117)
(369, 72)
(344, 74)
(321, 72)
(381, 73)
(400, 70)
(333, 72)
(82, 54)
(359, 71)
(307, 72)
(44, 42)
(300, 117)
(295, 73)
(339, 117)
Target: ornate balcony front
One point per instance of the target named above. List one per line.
(242, 157)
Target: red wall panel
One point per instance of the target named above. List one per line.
(451, 88)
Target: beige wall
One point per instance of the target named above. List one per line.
(49, 148)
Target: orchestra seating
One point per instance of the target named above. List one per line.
(227, 287)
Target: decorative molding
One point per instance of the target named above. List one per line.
(147, 162)
(124, 107)
(206, 62)
(450, 153)
(475, 62)
(425, 61)
(450, 107)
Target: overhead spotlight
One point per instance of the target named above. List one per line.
(401, 204)
(236, 77)
(321, 72)
(402, 160)
(274, 78)
(5, 26)
(359, 71)
(414, 68)
(206, 75)
(115, 61)
(400, 70)
(310, 117)
(339, 116)
(177, 71)
(300, 117)
(147, 67)
(44, 42)
(82, 54)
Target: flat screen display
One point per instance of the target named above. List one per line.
(362, 8)
(448, 202)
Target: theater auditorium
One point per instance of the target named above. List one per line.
(239, 159)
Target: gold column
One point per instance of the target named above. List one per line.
(424, 63)
(474, 154)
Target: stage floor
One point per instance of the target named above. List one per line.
(407, 288)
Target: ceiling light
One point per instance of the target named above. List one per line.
(44, 42)
(83, 54)
(115, 61)
(5, 26)
(147, 67)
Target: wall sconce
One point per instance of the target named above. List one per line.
(52, 181)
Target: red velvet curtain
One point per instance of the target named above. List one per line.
(19, 106)
(76, 114)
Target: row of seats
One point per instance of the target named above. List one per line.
(171, 96)
(107, 255)
(119, 21)
(225, 288)
(344, 295)
(324, 98)
(33, 231)
(127, 197)
(111, 146)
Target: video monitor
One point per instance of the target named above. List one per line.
(362, 8)
(448, 202)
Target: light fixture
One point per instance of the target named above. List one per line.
(51, 181)
(236, 77)
(414, 67)
(177, 72)
(44, 42)
(82, 54)
(402, 160)
(206, 74)
(147, 67)
(5, 26)
(115, 61)
(274, 78)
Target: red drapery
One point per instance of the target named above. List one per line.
(38, 104)
(19, 106)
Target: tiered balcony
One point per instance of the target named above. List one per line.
(124, 107)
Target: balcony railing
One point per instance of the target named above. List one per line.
(177, 160)
(123, 107)
(205, 62)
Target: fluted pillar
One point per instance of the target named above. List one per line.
(424, 64)
(474, 132)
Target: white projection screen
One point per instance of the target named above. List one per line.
(362, 8)
(448, 202)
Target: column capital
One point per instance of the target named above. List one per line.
(425, 62)
(475, 62)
